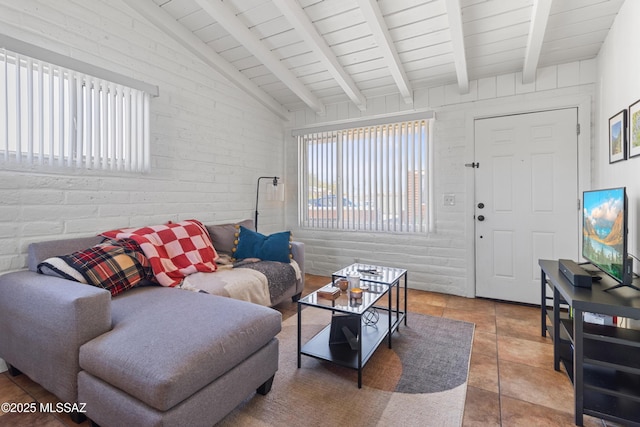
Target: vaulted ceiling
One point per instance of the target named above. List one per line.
(292, 54)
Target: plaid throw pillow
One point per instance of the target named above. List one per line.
(115, 265)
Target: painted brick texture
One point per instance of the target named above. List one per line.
(442, 261)
(210, 141)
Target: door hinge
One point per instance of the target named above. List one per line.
(578, 129)
(472, 165)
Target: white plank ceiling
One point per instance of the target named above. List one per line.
(293, 54)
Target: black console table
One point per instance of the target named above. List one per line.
(603, 362)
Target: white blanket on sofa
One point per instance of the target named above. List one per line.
(245, 284)
(241, 283)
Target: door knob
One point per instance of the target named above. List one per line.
(480, 217)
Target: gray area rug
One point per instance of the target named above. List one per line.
(421, 381)
(434, 352)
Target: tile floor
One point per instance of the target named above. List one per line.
(511, 378)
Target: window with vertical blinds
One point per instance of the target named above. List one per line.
(52, 115)
(372, 178)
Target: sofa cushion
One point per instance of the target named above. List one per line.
(224, 236)
(113, 265)
(275, 247)
(166, 344)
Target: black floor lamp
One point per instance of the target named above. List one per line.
(275, 185)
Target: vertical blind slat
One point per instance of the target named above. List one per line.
(126, 137)
(327, 200)
(6, 105)
(327, 172)
(134, 130)
(95, 101)
(70, 133)
(41, 122)
(61, 118)
(119, 128)
(133, 120)
(29, 87)
(104, 134)
(18, 90)
(405, 174)
(147, 136)
(390, 179)
(322, 148)
(79, 121)
(371, 178)
(87, 137)
(112, 130)
(429, 178)
(417, 203)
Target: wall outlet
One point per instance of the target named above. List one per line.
(449, 199)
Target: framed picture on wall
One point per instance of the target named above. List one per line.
(634, 129)
(618, 137)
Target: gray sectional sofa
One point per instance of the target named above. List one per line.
(150, 356)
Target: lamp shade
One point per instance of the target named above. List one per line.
(275, 192)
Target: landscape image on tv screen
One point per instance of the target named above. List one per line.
(603, 231)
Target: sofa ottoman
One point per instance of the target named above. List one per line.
(182, 373)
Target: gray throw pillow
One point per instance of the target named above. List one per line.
(223, 236)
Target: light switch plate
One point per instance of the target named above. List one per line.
(449, 199)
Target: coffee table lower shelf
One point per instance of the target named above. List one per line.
(342, 354)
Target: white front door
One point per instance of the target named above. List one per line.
(526, 201)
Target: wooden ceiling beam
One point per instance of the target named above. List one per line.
(454, 12)
(303, 25)
(166, 23)
(375, 20)
(239, 31)
(537, 28)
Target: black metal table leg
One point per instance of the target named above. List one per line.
(299, 335)
(543, 303)
(360, 353)
(405, 299)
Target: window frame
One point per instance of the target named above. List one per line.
(58, 111)
(405, 219)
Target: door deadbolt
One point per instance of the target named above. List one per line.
(480, 205)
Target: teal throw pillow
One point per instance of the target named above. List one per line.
(274, 247)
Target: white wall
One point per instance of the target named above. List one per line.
(619, 87)
(210, 141)
(444, 261)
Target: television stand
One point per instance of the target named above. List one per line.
(601, 361)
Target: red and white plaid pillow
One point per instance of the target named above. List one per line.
(175, 250)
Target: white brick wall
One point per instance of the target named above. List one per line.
(619, 88)
(441, 261)
(210, 141)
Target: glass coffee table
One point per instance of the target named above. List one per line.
(368, 319)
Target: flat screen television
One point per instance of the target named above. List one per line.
(604, 233)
